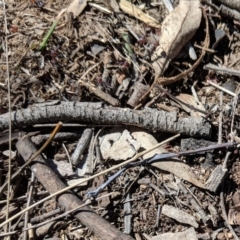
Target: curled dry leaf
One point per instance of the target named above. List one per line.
(190, 100)
(177, 29)
(118, 145)
(173, 166)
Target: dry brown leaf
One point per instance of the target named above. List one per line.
(146, 141)
(190, 100)
(76, 7)
(179, 169)
(177, 29)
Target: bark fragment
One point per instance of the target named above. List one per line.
(98, 113)
(179, 215)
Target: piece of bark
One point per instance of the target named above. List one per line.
(179, 215)
(231, 3)
(62, 136)
(98, 113)
(229, 12)
(216, 178)
(195, 205)
(68, 200)
(82, 144)
(192, 143)
(188, 234)
(138, 89)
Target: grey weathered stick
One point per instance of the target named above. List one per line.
(228, 12)
(62, 136)
(68, 200)
(98, 113)
(231, 4)
(81, 145)
(222, 69)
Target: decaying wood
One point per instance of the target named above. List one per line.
(44, 230)
(67, 201)
(98, 113)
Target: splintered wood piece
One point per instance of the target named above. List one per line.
(179, 215)
(216, 178)
(131, 9)
(82, 144)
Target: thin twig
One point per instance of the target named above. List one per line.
(88, 71)
(222, 88)
(220, 119)
(29, 201)
(89, 178)
(10, 118)
(224, 214)
(88, 202)
(57, 128)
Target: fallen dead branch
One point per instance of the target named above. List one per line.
(99, 113)
(68, 200)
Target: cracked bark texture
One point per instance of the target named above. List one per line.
(99, 114)
(68, 200)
